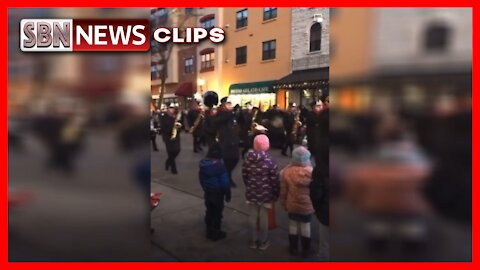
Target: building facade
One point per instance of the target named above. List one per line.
(256, 52)
(192, 69)
(426, 59)
(309, 48)
(209, 56)
(384, 58)
(351, 57)
(180, 80)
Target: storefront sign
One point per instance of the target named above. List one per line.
(252, 88)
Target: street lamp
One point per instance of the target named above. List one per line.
(201, 83)
(318, 18)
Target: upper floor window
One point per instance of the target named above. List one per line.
(269, 48)
(189, 65)
(437, 37)
(241, 55)
(208, 24)
(188, 10)
(207, 57)
(269, 13)
(315, 37)
(242, 18)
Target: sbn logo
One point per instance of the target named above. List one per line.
(46, 35)
(66, 35)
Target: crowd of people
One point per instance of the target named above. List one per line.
(232, 133)
(234, 128)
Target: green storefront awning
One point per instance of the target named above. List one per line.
(252, 88)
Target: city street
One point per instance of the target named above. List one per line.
(95, 214)
(178, 220)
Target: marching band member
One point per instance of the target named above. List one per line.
(291, 124)
(171, 125)
(195, 119)
(228, 139)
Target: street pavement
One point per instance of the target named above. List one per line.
(97, 213)
(179, 229)
(178, 220)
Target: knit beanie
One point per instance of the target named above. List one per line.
(214, 152)
(261, 143)
(301, 156)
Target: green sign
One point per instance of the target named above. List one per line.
(252, 88)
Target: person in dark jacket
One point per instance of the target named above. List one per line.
(289, 125)
(154, 127)
(319, 195)
(224, 123)
(208, 129)
(304, 112)
(319, 188)
(168, 122)
(195, 123)
(216, 187)
(318, 131)
(245, 122)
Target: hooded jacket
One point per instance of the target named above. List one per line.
(214, 177)
(295, 189)
(260, 175)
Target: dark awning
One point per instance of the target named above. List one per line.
(207, 50)
(185, 90)
(302, 76)
(207, 17)
(252, 88)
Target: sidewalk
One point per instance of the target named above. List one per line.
(180, 233)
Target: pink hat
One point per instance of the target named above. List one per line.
(261, 143)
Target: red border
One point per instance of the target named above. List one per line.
(4, 264)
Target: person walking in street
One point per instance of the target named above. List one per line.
(319, 188)
(245, 122)
(318, 131)
(209, 130)
(319, 194)
(195, 122)
(291, 123)
(216, 187)
(260, 175)
(295, 198)
(170, 123)
(154, 127)
(224, 123)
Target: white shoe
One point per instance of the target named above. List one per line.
(264, 245)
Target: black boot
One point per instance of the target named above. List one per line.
(219, 235)
(174, 167)
(210, 233)
(293, 241)
(306, 250)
